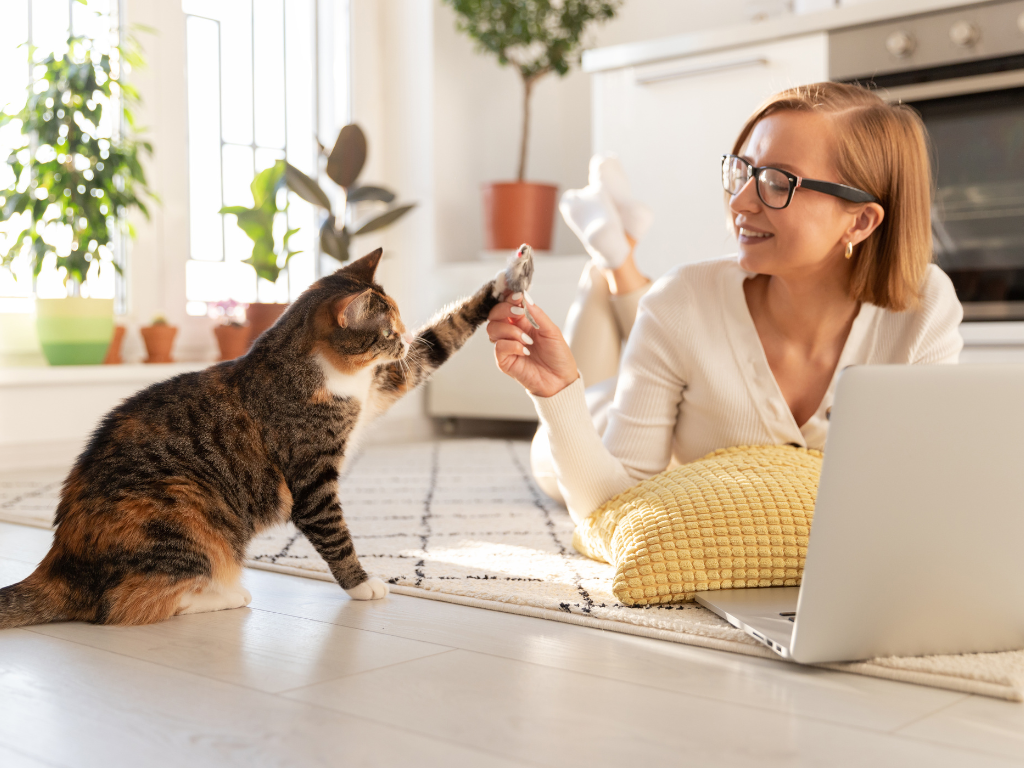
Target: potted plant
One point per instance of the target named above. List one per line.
(73, 186)
(113, 356)
(345, 162)
(231, 333)
(269, 255)
(159, 338)
(536, 37)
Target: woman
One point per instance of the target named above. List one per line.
(828, 193)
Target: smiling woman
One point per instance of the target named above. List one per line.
(828, 190)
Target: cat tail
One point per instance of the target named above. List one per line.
(434, 343)
(32, 601)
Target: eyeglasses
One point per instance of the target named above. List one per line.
(775, 186)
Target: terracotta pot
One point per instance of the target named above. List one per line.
(159, 339)
(518, 212)
(114, 350)
(233, 340)
(261, 316)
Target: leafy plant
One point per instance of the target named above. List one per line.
(71, 183)
(345, 161)
(268, 258)
(534, 36)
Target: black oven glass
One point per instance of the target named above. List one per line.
(978, 217)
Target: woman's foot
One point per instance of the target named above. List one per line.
(606, 172)
(604, 216)
(593, 218)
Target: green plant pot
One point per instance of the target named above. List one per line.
(75, 331)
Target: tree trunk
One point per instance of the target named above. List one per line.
(527, 89)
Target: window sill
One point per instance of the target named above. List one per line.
(59, 375)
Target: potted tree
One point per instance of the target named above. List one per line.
(73, 186)
(536, 37)
(345, 162)
(269, 254)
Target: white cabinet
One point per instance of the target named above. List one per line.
(671, 121)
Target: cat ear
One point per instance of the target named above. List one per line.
(364, 269)
(347, 310)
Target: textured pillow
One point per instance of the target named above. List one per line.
(737, 518)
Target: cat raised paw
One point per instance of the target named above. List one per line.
(371, 589)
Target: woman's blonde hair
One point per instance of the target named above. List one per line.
(883, 149)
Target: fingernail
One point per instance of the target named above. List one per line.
(526, 351)
(527, 339)
(518, 311)
(529, 298)
(516, 296)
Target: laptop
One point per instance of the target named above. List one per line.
(917, 544)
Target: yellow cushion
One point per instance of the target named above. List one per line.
(737, 518)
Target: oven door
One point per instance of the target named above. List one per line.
(976, 127)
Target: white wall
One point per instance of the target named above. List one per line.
(477, 115)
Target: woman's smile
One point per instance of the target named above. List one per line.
(750, 236)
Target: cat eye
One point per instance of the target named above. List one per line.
(387, 334)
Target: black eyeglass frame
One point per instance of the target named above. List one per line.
(842, 191)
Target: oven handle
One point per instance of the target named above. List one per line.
(957, 86)
(695, 71)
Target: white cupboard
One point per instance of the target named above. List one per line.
(671, 121)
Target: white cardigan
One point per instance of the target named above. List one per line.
(694, 378)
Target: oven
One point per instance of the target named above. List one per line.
(963, 70)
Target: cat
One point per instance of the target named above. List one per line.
(156, 514)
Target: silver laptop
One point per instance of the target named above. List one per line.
(917, 544)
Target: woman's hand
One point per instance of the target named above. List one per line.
(538, 358)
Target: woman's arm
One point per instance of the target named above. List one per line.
(642, 420)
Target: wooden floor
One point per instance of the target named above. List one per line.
(304, 676)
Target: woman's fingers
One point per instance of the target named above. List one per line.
(510, 314)
(507, 352)
(497, 330)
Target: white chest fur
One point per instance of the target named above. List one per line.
(355, 386)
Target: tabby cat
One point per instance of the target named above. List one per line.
(156, 514)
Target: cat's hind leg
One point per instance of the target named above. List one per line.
(216, 595)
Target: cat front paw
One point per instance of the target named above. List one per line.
(371, 589)
(499, 285)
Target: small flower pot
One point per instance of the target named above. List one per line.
(261, 316)
(159, 339)
(518, 212)
(114, 350)
(75, 331)
(233, 340)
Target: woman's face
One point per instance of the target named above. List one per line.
(810, 234)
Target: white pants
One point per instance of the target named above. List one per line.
(596, 329)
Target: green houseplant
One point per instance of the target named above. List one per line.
(345, 162)
(537, 37)
(269, 254)
(73, 187)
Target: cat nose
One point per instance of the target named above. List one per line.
(407, 337)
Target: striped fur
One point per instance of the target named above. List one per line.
(158, 510)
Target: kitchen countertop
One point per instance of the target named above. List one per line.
(774, 28)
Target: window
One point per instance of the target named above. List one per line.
(251, 101)
(47, 24)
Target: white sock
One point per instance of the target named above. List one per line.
(606, 171)
(593, 217)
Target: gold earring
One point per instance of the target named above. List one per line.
(849, 249)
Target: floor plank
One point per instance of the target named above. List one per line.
(773, 685)
(546, 715)
(21, 542)
(256, 649)
(68, 704)
(978, 723)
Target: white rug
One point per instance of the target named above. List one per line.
(462, 521)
